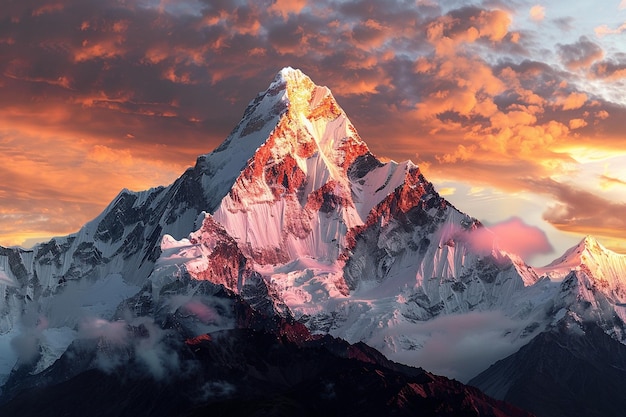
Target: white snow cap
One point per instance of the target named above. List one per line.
(289, 72)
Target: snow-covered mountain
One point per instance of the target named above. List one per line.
(593, 288)
(577, 365)
(295, 215)
(353, 246)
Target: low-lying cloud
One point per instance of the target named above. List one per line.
(459, 346)
(116, 332)
(140, 339)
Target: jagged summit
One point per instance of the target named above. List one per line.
(593, 276)
(591, 244)
(288, 73)
(296, 153)
(293, 125)
(292, 94)
(589, 251)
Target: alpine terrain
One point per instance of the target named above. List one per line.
(273, 272)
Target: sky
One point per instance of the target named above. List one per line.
(513, 109)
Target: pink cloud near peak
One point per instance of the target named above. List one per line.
(515, 236)
(512, 236)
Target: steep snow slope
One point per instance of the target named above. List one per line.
(294, 198)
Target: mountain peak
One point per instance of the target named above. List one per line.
(591, 244)
(295, 119)
(289, 74)
(304, 98)
(588, 248)
(590, 261)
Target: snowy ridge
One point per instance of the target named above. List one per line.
(124, 240)
(593, 287)
(606, 266)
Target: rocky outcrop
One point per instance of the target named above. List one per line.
(570, 370)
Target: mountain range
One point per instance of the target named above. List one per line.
(292, 266)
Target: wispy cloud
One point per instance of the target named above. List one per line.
(459, 346)
(604, 30)
(608, 181)
(581, 211)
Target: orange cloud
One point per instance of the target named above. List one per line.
(104, 49)
(462, 153)
(469, 91)
(285, 7)
(605, 30)
(609, 71)
(48, 8)
(104, 154)
(537, 13)
(52, 195)
(577, 123)
(573, 101)
(579, 210)
(370, 34)
(467, 25)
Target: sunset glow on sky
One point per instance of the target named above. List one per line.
(511, 108)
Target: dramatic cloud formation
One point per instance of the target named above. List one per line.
(101, 95)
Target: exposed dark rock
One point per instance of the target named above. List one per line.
(269, 371)
(563, 372)
(16, 264)
(362, 165)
